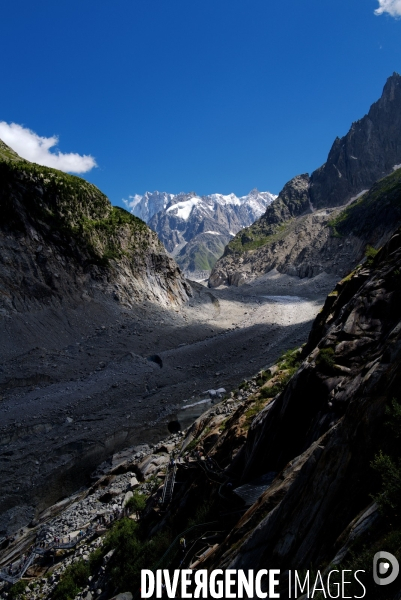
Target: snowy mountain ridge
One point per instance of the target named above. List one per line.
(146, 205)
(195, 229)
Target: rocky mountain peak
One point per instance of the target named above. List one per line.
(391, 88)
(254, 192)
(369, 151)
(295, 193)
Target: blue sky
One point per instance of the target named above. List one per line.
(195, 95)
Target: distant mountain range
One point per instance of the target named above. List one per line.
(195, 229)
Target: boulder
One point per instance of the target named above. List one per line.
(167, 448)
(133, 483)
(152, 463)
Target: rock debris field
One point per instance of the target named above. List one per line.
(78, 385)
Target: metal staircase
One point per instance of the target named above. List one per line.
(20, 571)
(168, 487)
(15, 573)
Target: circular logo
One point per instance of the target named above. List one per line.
(386, 572)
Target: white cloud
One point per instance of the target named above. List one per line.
(37, 149)
(392, 7)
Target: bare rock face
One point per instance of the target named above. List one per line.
(234, 267)
(294, 234)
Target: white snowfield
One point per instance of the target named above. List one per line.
(184, 209)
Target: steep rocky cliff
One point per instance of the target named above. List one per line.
(370, 150)
(62, 241)
(291, 233)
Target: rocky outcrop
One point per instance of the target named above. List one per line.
(286, 238)
(62, 241)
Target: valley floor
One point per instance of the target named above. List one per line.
(77, 385)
